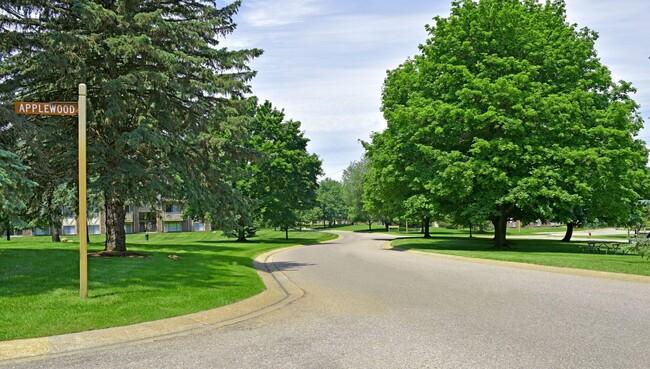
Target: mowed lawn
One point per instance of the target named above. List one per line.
(184, 273)
(532, 251)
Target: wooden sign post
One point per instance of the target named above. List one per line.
(83, 226)
(79, 109)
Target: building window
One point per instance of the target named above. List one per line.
(94, 229)
(173, 208)
(128, 228)
(198, 227)
(147, 222)
(173, 227)
(69, 230)
(41, 231)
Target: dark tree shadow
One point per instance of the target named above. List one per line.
(287, 266)
(449, 243)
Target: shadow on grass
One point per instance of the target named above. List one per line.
(41, 267)
(289, 242)
(221, 245)
(450, 243)
(186, 266)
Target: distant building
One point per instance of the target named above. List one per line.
(138, 219)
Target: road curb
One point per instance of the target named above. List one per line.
(542, 268)
(280, 291)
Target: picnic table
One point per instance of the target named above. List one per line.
(595, 246)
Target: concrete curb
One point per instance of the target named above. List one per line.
(280, 291)
(542, 268)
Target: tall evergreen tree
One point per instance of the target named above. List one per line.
(15, 188)
(167, 106)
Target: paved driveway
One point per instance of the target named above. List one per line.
(367, 307)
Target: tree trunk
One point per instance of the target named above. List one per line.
(55, 221)
(115, 214)
(387, 224)
(241, 235)
(286, 233)
(55, 233)
(569, 232)
(370, 225)
(55, 224)
(426, 222)
(8, 228)
(470, 229)
(500, 223)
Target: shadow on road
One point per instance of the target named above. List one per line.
(288, 266)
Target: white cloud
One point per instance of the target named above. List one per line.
(275, 13)
(325, 61)
(623, 44)
(328, 72)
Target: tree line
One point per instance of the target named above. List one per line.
(505, 113)
(171, 115)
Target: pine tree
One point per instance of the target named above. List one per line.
(167, 105)
(15, 188)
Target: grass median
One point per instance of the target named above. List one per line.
(183, 273)
(532, 251)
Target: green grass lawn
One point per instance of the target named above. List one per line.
(542, 252)
(379, 228)
(39, 280)
(534, 230)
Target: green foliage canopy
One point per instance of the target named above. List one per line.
(330, 201)
(283, 180)
(507, 112)
(352, 181)
(15, 189)
(167, 106)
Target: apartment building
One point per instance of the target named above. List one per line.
(138, 219)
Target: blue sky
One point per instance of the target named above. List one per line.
(324, 61)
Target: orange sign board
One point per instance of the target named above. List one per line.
(47, 108)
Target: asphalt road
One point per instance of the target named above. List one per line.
(367, 307)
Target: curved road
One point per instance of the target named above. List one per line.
(367, 307)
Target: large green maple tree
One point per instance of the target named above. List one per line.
(514, 116)
(283, 179)
(168, 110)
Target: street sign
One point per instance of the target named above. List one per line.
(47, 108)
(78, 109)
